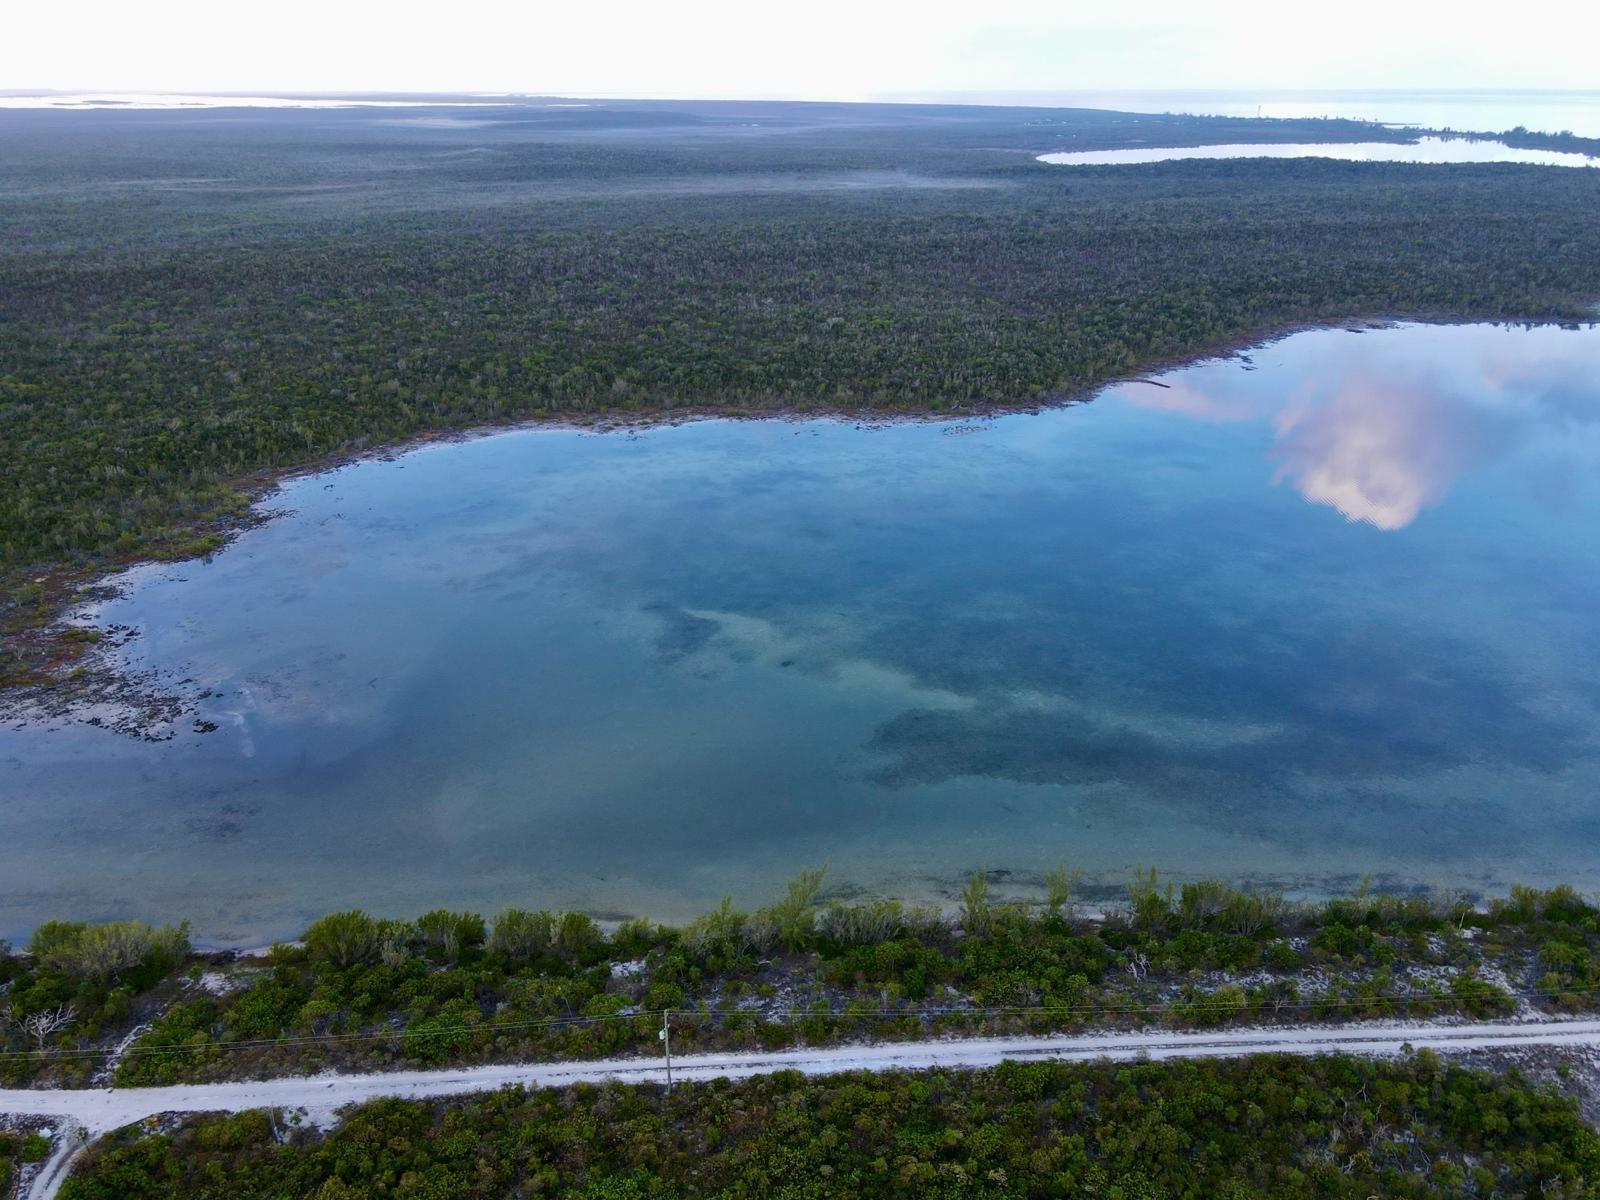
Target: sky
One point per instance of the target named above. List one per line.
(823, 49)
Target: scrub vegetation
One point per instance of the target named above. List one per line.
(1267, 1127)
(195, 302)
(363, 993)
(18, 1146)
(25, 1144)
(79, 984)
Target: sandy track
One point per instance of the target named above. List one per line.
(99, 1110)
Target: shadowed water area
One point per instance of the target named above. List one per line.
(1323, 610)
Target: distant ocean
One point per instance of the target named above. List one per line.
(1483, 111)
(1491, 111)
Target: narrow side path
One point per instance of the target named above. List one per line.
(70, 1141)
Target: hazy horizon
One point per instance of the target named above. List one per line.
(1000, 97)
(1479, 110)
(830, 50)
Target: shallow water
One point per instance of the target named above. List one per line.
(1423, 150)
(1324, 610)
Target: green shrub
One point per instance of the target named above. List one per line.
(1479, 997)
(862, 924)
(720, 936)
(578, 939)
(910, 966)
(1281, 956)
(664, 995)
(1341, 941)
(793, 918)
(434, 1040)
(975, 910)
(108, 951)
(1267, 1128)
(1217, 1007)
(450, 932)
(344, 938)
(522, 936)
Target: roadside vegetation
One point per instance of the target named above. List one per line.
(18, 1147)
(363, 993)
(78, 985)
(1257, 1128)
(25, 1144)
(191, 315)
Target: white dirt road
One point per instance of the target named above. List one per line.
(97, 1111)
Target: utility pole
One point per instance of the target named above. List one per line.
(666, 1046)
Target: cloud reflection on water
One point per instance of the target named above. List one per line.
(1379, 450)
(1381, 439)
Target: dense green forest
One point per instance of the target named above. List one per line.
(363, 993)
(1268, 1127)
(194, 301)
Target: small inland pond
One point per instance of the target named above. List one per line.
(1325, 609)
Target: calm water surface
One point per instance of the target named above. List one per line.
(1423, 150)
(1323, 611)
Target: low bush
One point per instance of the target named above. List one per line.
(1262, 1128)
